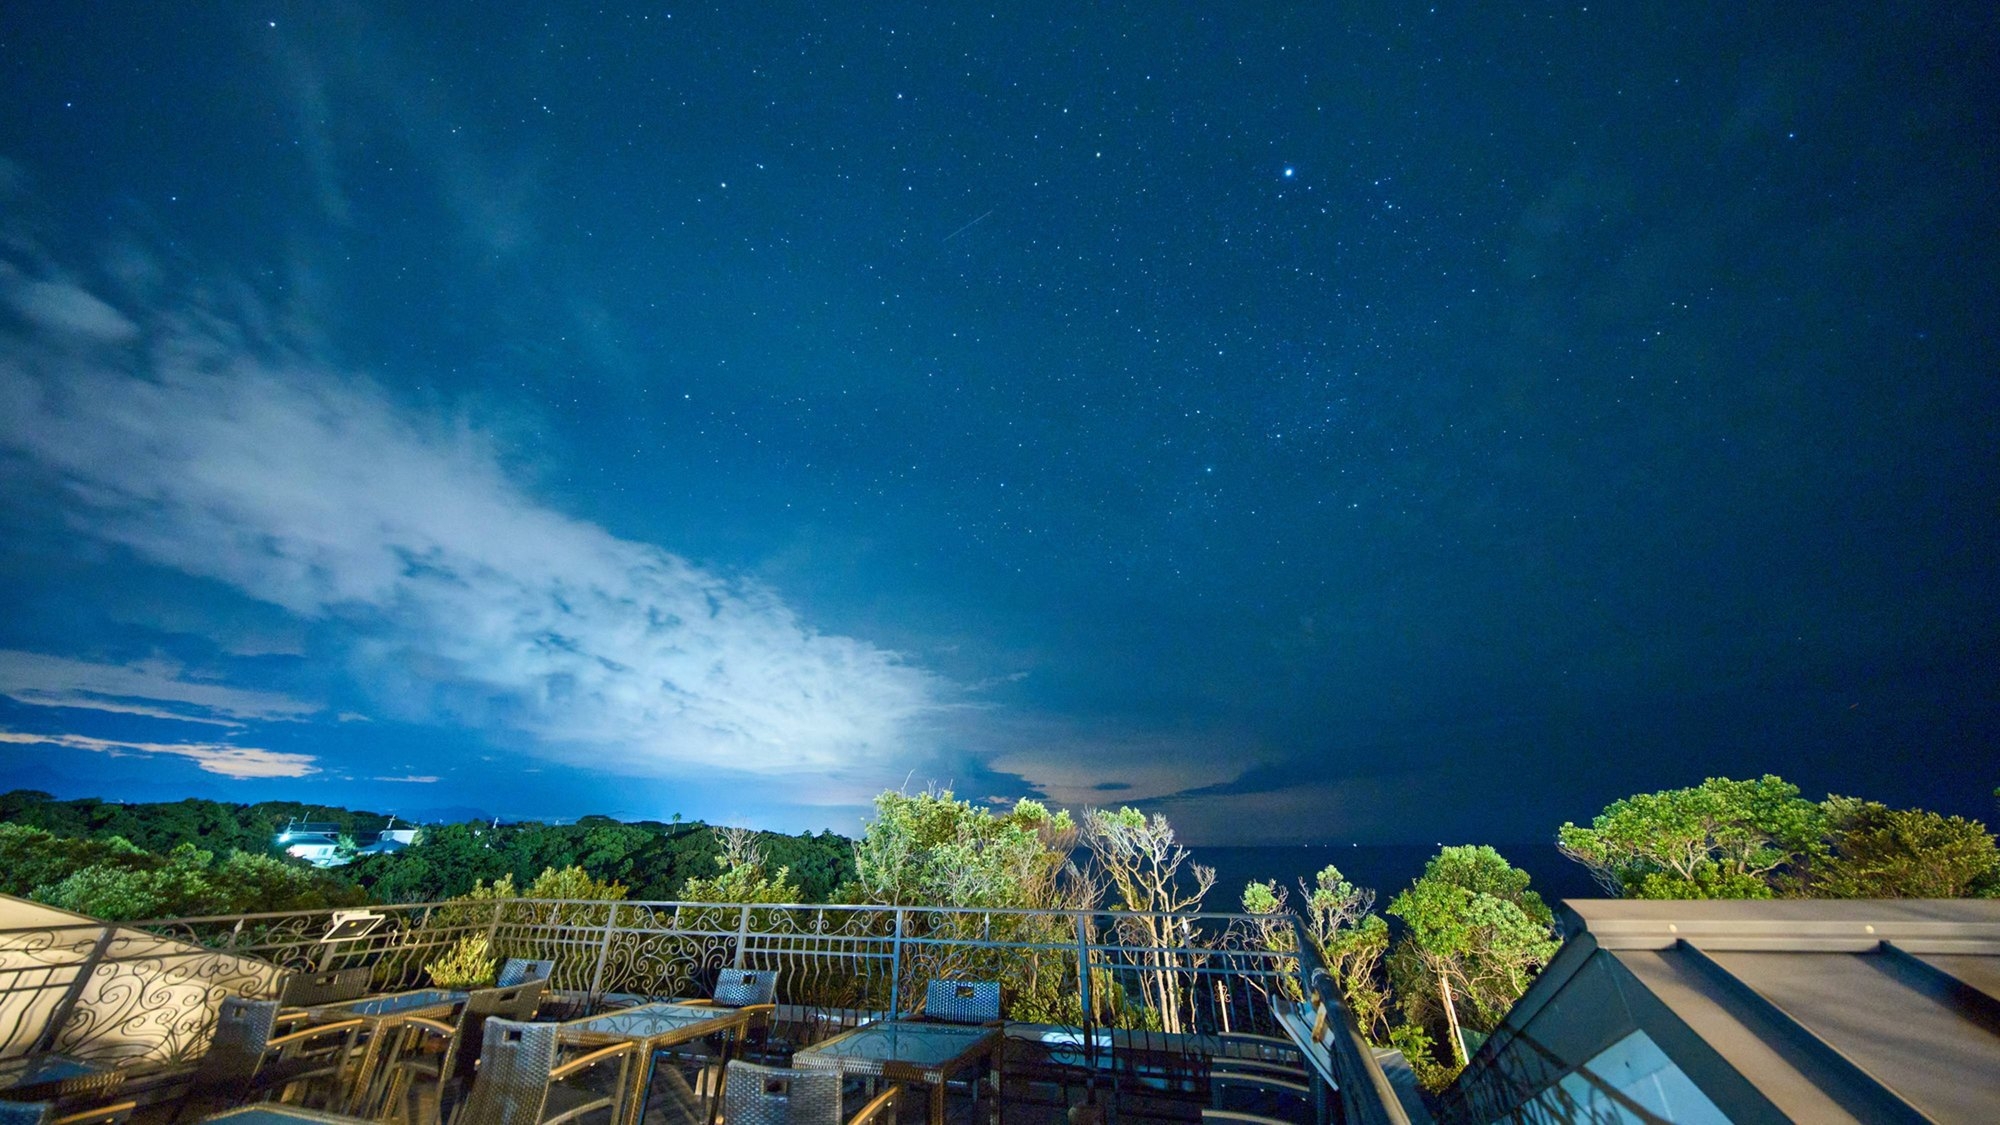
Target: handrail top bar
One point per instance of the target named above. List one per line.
(845, 907)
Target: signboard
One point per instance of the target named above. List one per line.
(351, 925)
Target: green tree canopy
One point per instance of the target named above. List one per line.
(743, 875)
(931, 849)
(1475, 936)
(1720, 839)
(1880, 852)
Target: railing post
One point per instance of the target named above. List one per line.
(493, 930)
(896, 967)
(1089, 1023)
(1299, 941)
(742, 934)
(603, 955)
(53, 1030)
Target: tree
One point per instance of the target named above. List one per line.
(1141, 863)
(1880, 852)
(743, 877)
(1719, 839)
(932, 850)
(1475, 938)
(1340, 918)
(1346, 933)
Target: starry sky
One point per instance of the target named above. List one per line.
(1313, 421)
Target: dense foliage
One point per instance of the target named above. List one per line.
(1761, 839)
(126, 861)
(214, 826)
(110, 878)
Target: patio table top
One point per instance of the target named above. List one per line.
(659, 1024)
(934, 1048)
(412, 1003)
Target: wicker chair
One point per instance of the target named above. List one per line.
(309, 990)
(520, 970)
(962, 1001)
(245, 1061)
(508, 1001)
(446, 1056)
(420, 1052)
(774, 1095)
(519, 1083)
(880, 1110)
(743, 988)
(771, 1095)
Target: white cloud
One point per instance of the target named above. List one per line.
(229, 761)
(466, 598)
(415, 779)
(58, 306)
(54, 681)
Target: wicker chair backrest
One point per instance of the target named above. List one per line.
(963, 1001)
(737, 988)
(513, 1082)
(512, 1002)
(772, 1095)
(307, 990)
(520, 970)
(515, 1003)
(242, 1028)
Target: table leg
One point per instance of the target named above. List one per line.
(937, 1101)
(716, 1088)
(642, 1084)
(354, 1103)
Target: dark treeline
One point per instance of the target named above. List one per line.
(180, 858)
(161, 827)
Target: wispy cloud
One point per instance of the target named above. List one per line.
(229, 761)
(153, 688)
(414, 779)
(201, 447)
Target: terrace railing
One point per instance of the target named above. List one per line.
(871, 959)
(116, 993)
(1101, 975)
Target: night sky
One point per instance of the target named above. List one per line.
(1315, 422)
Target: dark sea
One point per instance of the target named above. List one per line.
(1387, 868)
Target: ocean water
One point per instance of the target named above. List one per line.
(1387, 868)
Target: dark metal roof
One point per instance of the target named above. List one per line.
(1808, 1010)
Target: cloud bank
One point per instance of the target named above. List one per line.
(156, 688)
(239, 762)
(185, 438)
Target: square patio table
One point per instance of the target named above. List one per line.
(378, 1012)
(906, 1051)
(51, 1077)
(270, 1114)
(653, 1027)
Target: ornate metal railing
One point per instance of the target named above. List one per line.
(1184, 983)
(116, 994)
(1186, 973)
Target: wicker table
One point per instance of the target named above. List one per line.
(378, 1012)
(906, 1051)
(654, 1027)
(52, 1077)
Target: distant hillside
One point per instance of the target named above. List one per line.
(652, 859)
(213, 826)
